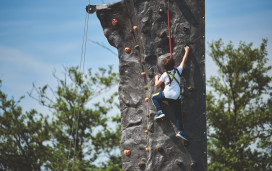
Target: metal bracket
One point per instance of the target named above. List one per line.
(91, 9)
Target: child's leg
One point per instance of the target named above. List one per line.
(177, 110)
(157, 99)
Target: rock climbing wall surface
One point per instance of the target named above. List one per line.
(139, 30)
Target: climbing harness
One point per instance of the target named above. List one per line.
(173, 77)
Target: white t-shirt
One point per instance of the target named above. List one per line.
(171, 91)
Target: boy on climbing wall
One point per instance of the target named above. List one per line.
(171, 92)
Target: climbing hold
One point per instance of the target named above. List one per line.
(190, 88)
(146, 87)
(147, 115)
(163, 34)
(143, 73)
(141, 164)
(146, 99)
(131, 31)
(159, 148)
(127, 50)
(135, 28)
(146, 132)
(147, 149)
(193, 164)
(114, 22)
(143, 61)
(160, 10)
(185, 29)
(136, 46)
(127, 152)
(179, 162)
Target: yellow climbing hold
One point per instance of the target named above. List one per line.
(146, 87)
(136, 46)
(146, 99)
(135, 28)
(143, 73)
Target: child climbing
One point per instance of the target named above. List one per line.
(171, 92)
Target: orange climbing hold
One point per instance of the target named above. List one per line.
(135, 28)
(127, 152)
(143, 73)
(146, 132)
(146, 99)
(127, 50)
(147, 149)
(114, 22)
(143, 61)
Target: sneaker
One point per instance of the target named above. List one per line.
(181, 135)
(159, 115)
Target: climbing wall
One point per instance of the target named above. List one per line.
(139, 30)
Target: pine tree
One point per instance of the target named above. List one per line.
(82, 134)
(22, 136)
(239, 108)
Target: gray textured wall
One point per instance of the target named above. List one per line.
(187, 26)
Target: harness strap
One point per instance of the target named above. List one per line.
(173, 77)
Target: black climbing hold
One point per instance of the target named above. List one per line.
(193, 164)
(190, 88)
(179, 162)
(163, 34)
(159, 148)
(161, 9)
(185, 29)
(146, 87)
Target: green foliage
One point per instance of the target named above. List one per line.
(80, 134)
(239, 108)
(22, 136)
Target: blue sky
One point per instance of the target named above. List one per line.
(37, 37)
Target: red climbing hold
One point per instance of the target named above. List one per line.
(114, 22)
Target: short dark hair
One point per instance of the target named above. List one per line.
(168, 63)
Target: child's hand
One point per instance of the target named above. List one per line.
(186, 48)
(157, 77)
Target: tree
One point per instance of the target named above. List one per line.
(81, 129)
(22, 136)
(239, 108)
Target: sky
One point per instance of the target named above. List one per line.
(39, 37)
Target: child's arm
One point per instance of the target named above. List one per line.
(157, 81)
(187, 49)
